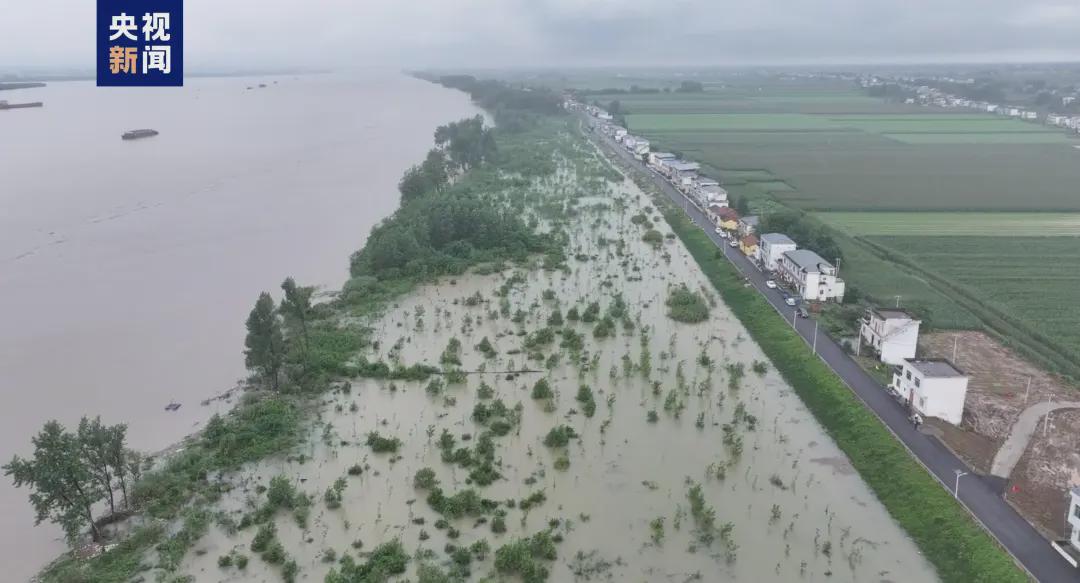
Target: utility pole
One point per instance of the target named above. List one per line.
(815, 335)
(956, 487)
(837, 268)
(955, 344)
(1046, 420)
(1027, 392)
(897, 301)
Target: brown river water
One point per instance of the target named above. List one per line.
(127, 268)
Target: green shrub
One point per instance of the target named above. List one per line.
(687, 306)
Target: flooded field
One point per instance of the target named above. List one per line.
(577, 414)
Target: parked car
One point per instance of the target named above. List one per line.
(803, 313)
(770, 284)
(733, 243)
(791, 301)
(719, 231)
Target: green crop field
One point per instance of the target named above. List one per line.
(927, 224)
(1031, 279)
(788, 122)
(990, 262)
(878, 156)
(983, 138)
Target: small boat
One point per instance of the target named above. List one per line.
(172, 406)
(136, 134)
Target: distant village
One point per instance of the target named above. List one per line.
(928, 387)
(927, 96)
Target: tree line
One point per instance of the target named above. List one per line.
(808, 233)
(459, 147)
(70, 472)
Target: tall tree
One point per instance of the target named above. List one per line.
(93, 438)
(117, 456)
(264, 346)
(63, 490)
(296, 307)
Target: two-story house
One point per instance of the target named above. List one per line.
(932, 387)
(892, 333)
(814, 278)
(771, 249)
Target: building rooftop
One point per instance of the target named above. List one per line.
(750, 241)
(935, 367)
(894, 314)
(663, 155)
(683, 166)
(776, 239)
(807, 260)
(751, 220)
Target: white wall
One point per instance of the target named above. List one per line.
(941, 397)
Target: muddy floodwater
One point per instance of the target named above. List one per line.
(677, 406)
(127, 267)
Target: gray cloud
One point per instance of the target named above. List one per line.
(334, 33)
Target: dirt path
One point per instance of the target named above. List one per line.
(1020, 435)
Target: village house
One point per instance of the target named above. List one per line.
(749, 246)
(657, 159)
(712, 195)
(748, 225)
(1070, 549)
(814, 278)
(771, 249)
(932, 387)
(682, 173)
(727, 218)
(892, 333)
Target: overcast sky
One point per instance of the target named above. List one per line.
(477, 33)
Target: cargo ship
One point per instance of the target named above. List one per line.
(6, 105)
(136, 134)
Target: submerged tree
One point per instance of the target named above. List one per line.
(264, 351)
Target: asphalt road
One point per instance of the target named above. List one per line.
(982, 495)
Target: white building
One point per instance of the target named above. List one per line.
(712, 195)
(604, 116)
(657, 159)
(681, 173)
(933, 387)
(892, 333)
(771, 249)
(813, 277)
(1071, 549)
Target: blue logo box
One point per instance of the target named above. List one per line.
(140, 43)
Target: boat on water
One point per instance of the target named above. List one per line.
(136, 134)
(7, 105)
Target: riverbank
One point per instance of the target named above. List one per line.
(945, 532)
(288, 189)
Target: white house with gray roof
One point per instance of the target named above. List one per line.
(892, 333)
(812, 276)
(771, 249)
(933, 387)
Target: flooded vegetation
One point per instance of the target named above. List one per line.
(571, 403)
(578, 431)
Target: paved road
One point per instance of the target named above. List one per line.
(981, 495)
